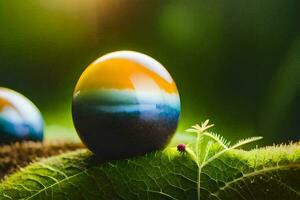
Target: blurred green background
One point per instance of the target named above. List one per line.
(235, 62)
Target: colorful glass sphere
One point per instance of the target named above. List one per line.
(19, 118)
(125, 104)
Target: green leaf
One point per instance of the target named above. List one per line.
(213, 172)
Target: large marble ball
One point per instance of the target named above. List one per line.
(19, 119)
(125, 104)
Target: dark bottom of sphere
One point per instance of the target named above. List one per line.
(13, 132)
(8, 138)
(115, 136)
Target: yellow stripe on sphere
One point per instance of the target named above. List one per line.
(118, 73)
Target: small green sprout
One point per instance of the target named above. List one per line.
(201, 156)
(200, 129)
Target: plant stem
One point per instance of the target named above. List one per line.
(198, 163)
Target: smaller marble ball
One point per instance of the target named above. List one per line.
(125, 104)
(19, 118)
